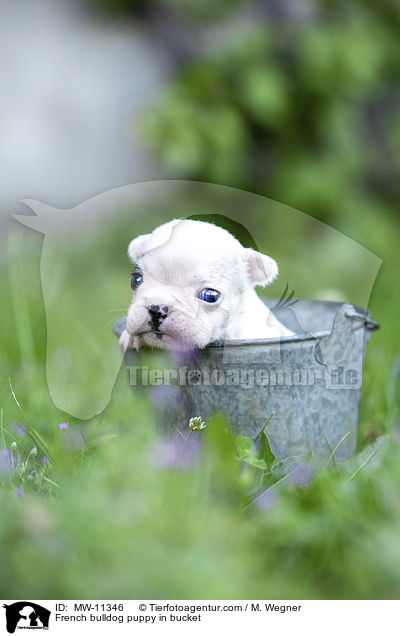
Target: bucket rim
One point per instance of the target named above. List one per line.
(264, 342)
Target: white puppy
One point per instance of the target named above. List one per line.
(193, 284)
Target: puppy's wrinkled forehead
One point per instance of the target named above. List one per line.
(190, 252)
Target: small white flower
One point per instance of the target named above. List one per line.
(197, 423)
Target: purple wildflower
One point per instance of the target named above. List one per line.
(165, 397)
(301, 475)
(174, 451)
(63, 426)
(267, 500)
(19, 428)
(163, 454)
(13, 445)
(5, 461)
(184, 356)
(18, 492)
(44, 460)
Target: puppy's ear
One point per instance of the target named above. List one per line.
(136, 247)
(262, 269)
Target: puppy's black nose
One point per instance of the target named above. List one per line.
(157, 312)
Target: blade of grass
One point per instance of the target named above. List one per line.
(31, 431)
(392, 392)
(53, 483)
(336, 447)
(264, 492)
(330, 450)
(2, 429)
(364, 463)
(23, 326)
(263, 428)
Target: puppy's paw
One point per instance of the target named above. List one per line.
(124, 341)
(127, 341)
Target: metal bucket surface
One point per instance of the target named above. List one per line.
(308, 384)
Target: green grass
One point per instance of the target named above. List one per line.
(106, 515)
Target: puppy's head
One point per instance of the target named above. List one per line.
(188, 278)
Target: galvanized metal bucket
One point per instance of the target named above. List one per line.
(307, 385)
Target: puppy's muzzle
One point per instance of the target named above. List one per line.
(157, 316)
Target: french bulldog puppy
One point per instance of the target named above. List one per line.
(193, 283)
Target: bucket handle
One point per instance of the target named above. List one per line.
(369, 324)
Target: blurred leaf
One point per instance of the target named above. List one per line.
(267, 453)
(264, 93)
(244, 446)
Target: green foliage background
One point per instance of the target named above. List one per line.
(299, 105)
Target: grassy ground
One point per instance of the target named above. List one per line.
(106, 508)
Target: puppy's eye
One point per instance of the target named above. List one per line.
(209, 295)
(137, 278)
